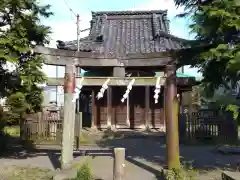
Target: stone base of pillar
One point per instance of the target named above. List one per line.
(147, 128)
(113, 128)
(109, 125)
(128, 123)
(94, 128)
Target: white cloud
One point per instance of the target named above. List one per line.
(67, 30)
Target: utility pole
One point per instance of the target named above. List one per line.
(77, 105)
(78, 31)
(78, 69)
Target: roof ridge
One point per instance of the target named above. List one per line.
(86, 38)
(129, 12)
(171, 36)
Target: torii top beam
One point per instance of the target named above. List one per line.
(90, 59)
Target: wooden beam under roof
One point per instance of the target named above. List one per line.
(80, 62)
(114, 81)
(94, 55)
(90, 62)
(120, 81)
(90, 59)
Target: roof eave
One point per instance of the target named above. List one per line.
(97, 13)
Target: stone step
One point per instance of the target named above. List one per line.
(228, 175)
(229, 149)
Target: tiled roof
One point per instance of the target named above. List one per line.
(85, 45)
(117, 33)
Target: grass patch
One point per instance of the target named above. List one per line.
(77, 165)
(86, 138)
(84, 173)
(186, 172)
(109, 135)
(12, 130)
(25, 173)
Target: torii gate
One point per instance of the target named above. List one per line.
(71, 59)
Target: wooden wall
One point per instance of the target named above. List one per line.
(137, 117)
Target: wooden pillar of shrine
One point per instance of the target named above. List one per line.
(119, 71)
(173, 160)
(164, 104)
(147, 106)
(180, 102)
(109, 107)
(128, 113)
(69, 117)
(94, 110)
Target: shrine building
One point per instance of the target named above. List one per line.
(123, 47)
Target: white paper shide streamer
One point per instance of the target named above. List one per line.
(77, 90)
(43, 85)
(129, 88)
(102, 90)
(157, 90)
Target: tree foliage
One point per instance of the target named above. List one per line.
(216, 48)
(20, 28)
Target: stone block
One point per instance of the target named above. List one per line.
(228, 175)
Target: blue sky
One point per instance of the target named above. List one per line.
(63, 22)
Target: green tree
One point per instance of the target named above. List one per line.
(20, 29)
(215, 50)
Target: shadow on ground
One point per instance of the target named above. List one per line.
(152, 149)
(145, 151)
(19, 150)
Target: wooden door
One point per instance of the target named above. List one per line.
(84, 107)
(101, 106)
(137, 107)
(156, 113)
(119, 108)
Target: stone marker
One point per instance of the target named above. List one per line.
(119, 164)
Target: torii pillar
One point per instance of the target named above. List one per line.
(171, 114)
(69, 117)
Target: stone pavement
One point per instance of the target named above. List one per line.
(102, 168)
